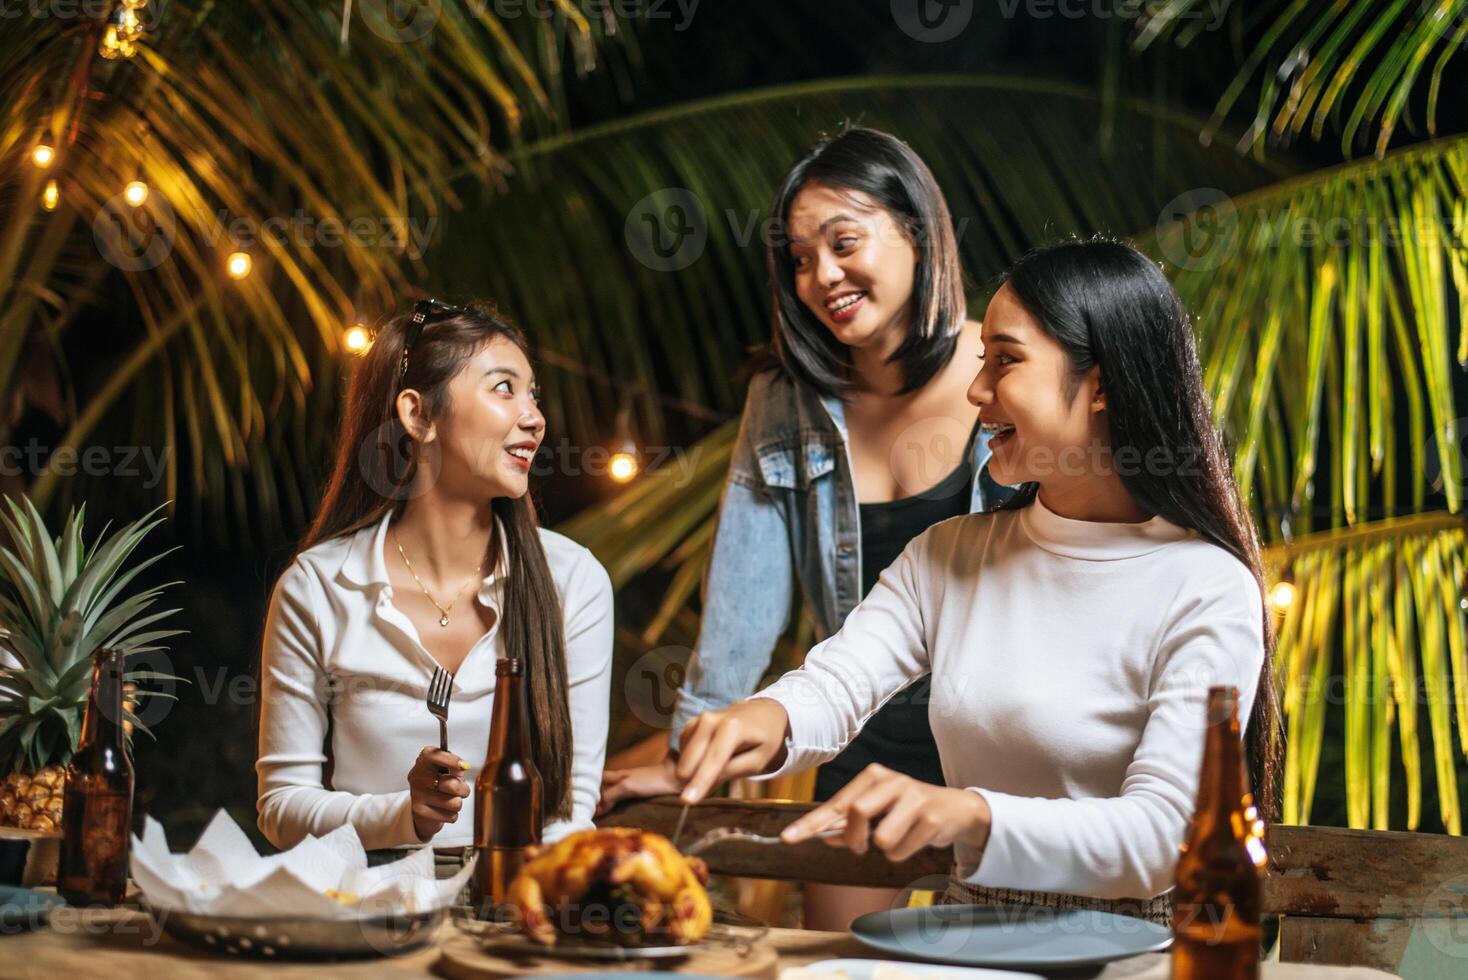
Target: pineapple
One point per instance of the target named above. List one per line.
(58, 605)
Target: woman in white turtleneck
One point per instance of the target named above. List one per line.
(1072, 636)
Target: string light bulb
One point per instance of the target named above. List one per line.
(43, 155)
(1282, 595)
(51, 196)
(623, 466)
(135, 193)
(115, 46)
(357, 339)
(135, 4)
(239, 265)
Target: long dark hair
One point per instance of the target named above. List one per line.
(887, 170)
(1107, 304)
(375, 464)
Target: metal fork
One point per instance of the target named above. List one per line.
(439, 690)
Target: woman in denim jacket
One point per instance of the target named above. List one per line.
(856, 436)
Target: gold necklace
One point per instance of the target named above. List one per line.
(443, 618)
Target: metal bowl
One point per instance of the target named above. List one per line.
(297, 938)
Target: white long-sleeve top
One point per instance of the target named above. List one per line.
(1071, 662)
(334, 642)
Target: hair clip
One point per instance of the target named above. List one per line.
(422, 310)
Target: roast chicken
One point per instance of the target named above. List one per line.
(613, 884)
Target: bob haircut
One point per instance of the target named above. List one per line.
(885, 169)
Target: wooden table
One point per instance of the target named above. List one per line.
(121, 944)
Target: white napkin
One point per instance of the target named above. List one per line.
(321, 877)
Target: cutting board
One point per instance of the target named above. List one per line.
(463, 958)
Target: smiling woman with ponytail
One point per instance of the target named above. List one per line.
(426, 553)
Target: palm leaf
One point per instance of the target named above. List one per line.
(1307, 311)
(1393, 588)
(1319, 63)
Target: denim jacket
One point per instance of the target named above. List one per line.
(788, 512)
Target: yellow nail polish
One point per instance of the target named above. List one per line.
(464, 765)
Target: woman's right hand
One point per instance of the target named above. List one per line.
(745, 739)
(437, 796)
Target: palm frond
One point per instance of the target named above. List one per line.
(1326, 310)
(1384, 594)
(1316, 63)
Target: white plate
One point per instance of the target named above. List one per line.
(891, 970)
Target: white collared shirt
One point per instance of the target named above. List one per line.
(333, 636)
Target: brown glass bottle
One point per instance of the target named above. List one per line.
(96, 818)
(1220, 875)
(507, 792)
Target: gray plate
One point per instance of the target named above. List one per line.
(296, 938)
(1010, 936)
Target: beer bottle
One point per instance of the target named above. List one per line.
(507, 792)
(96, 816)
(1220, 875)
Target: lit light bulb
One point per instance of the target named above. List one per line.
(357, 339)
(623, 467)
(134, 4)
(51, 196)
(135, 193)
(111, 46)
(239, 265)
(1282, 596)
(43, 156)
